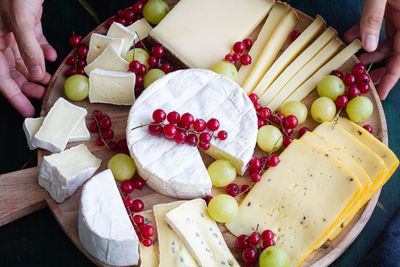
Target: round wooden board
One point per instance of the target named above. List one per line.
(67, 213)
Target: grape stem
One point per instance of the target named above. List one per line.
(336, 119)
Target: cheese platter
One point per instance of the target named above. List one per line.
(284, 69)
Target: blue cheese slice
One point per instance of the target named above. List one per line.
(149, 255)
(62, 173)
(99, 42)
(112, 87)
(141, 28)
(109, 60)
(118, 30)
(200, 233)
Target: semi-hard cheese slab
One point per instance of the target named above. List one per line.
(99, 42)
(172, 250)
(200, 234)
(118, 30)
(149, 255)
(109, 60)
(141, 27)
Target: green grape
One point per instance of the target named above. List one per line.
(359, 109)
(155, 10)
(295, 108)
(269, 137)
(331, 86)
(152, 76)
(138, 54)
(227, 69)
(76, 87)
(274, 257)
(323, 109)
(222, 208)
(221, 172)
(122, 166)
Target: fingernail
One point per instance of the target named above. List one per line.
(36, 72)
(370, 43)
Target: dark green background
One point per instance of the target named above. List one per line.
(37, 240)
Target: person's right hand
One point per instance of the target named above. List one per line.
(23, 50)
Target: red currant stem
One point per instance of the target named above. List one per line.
(130, 214)
(177, 127)
(336, 119)
(247, 190)
(144, 125)
(369, 67)
(100, 134)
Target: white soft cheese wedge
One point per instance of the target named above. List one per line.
(206, 95)
(109, 60)
(118, 30)
(81, 133)
(58, 126)
(173, 251)
(141, 28)
(112, 87)
(99, 42)
(104, 227)
(200, 233)
(62, 173)
(201, 33)
(149, 255)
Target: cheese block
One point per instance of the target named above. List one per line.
(81, 133)
(201, 33)
(270, 50)
(173, 251)
(269, 92)
(182, 173)
(109, 60)
(58, 126)
(278, 11)
(290, 53)
(200, 233)
(112, 87)
(149, 255)
(99, 42)
(62, 173)
(331, 65)
(118, 30)
(141, 28)
(312, 66)
(299, 200)
(104, 227)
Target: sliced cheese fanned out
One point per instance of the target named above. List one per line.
(62, 173)
(109, 60)
(175, 169)
(278, 11)
(104, 227)
(112, 87)
(141, 28)
(299, 200)
(200, 233)
(99, 42)
(149, 255)
(173, 251)
(58, 126)
(118, 30)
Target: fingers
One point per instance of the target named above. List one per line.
(371, 22)
(351, 34)
(377, 74)
(49, 52)
(31, 90)
(383, 51)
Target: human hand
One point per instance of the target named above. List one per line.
(370, 25)
(23, 50)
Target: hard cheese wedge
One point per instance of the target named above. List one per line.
(111, 87)
(173, 251)
(141, 28)
(118, 30)
(201, 33)
(109, 60)
(270, 51)
(200, 234)
(298, 200)
(278, 11)
(290, 53)
(149, 255)
(62, 173)
(99, 42)
(58, 126)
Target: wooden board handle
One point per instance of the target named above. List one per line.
(20, 194)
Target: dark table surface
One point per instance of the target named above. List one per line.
(37, 240)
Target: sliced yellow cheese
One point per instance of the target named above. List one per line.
(276, 14)
(109, 60)
(120, 31)
(271, 50)
(295, 66)
(312, 66)
(141, 28)
(299, 200)
(99, 42)
(331, 65)
(290, 54)
(149, 255)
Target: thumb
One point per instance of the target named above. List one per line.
(371, 23)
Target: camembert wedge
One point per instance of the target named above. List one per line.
(118, 30)
(109, 60)
(99, 42)
(141, 27)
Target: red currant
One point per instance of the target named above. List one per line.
(129, 202)
(249, 255)
(113, 146)
(129, 14)
(80, 71)
(280, 116)
(71, 60)
(138, 91)
(199, 125)
(273, 160)
(248, 43)
(75, 40)
(368, 128)
(233, 62)
(97, 114)
(244, 187)
(93, 127)
(105, 122)
(204, 146)
(108, 134)
(260, 123)
(255, 164)
(183, 126)
(187, 119)
(143, 1)
(134, 66)
(205, 137)
(268, 243)
(124, 150)
(253, 97)
(139, 81)
(173, 117)
(288, 131)
(147, 230)
(242, 242)
(71, 71)
(290, 122)
(257, 106)
(137, 205)
(362, 78)
(191, 140)
(267, 235)
(286, 142)
(236, 57)
(82, 50)
(358, 68)
(159, 115)
(213, 124)
(341, 101)
(138, 219)
(255, 177)
(294, 34)
(152, 61)
(245, 59)
(337, 73)
(111, 21)
(207, 199)
(121, 20)
(81, 63)
(138, 7)
(99, 141)
(166, 67)
(232, 189)
(155, 129)
(180, 137)
(122, 143)
(142, 70)
(222, 135)
(157, 51)
(364, 88)
(265, 113)
(303, 130)
(127, 186)
(254, 238)
(229, 57)
(170, 131)
(138, 182)
(353, 92)
(349, 79)
(239, 47)
(120, 13)
(147, 242)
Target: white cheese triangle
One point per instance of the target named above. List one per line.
(99, 42)
(118, 30)
(141, 28)
(109, 60)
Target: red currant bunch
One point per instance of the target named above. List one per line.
(238, 52)
(252, 245)
(143, 229)
(78, 60)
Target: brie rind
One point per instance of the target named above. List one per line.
(109, 60)
(141, 28)
(62, 173)
(120, 31)
(112, 87)
(58, 126)
(104, 227)
(99, 42)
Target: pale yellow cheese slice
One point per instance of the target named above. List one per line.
(120, 31)
(109, 60)
(295, 66)
(290, 54)
(271, 50)
(331, 65)
(141, 28)
(149, 255)
(276, 14)
(312, 66)
(99, 42)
